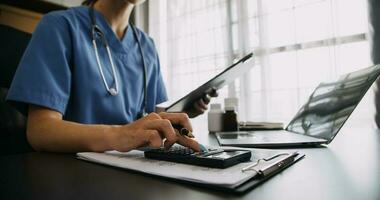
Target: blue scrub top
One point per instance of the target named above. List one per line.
(59, 71)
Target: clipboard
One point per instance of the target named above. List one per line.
(258, 172)
(253, 182)
(268, 172)
(225, 77)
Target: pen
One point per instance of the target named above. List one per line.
(266, 170)
(183, 131)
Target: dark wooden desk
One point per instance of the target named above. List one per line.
(349, 168)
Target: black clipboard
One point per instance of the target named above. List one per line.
(225, 77)
(250, 184)
(256, 181)
(243, 187)
(268, 171)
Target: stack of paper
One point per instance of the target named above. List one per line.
(135, 160)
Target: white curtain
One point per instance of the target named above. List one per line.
(297, 43)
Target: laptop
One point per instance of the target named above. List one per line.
(319, 119)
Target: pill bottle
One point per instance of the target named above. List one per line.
(230, 121)
(232, 102)
(215, 117)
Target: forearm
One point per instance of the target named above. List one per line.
(46, 131)
(57, 135)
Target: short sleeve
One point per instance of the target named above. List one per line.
(43, 76)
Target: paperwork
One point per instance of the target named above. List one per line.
(134, 160)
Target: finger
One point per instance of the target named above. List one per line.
(142, 121)
(168, 144)
(213, 93)
(152, 116)
(206, 99)
(164, 128)
(188, 142)
(202, 104)
(181, 119)
(198, 108)
(152, 139)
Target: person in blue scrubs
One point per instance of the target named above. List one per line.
(58, 84)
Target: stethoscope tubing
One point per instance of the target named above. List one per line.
(95, 30)
(112, 91)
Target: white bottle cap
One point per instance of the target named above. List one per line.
(232, 101)
(230, 108)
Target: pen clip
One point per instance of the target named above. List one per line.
(268, 169)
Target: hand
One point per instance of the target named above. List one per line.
(154, 130)
(201, 105)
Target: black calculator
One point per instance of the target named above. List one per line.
(213, 157)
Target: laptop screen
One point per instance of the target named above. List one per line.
(331, 103)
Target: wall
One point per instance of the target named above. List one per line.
(21, 19)
(68, 3)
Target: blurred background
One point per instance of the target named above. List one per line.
(297, 44)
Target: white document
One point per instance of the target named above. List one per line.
(135, 160)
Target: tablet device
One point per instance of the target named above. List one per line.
(227, 76)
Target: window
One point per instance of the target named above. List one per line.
(195, 39)
(297, 43)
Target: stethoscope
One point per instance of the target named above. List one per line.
(96, 31)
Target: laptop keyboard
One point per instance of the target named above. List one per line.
(265, 137)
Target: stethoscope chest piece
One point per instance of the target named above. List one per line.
(113, 91)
